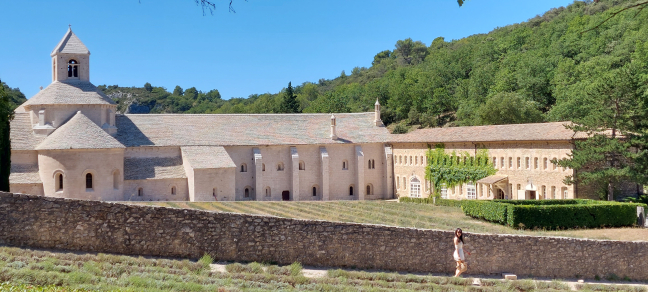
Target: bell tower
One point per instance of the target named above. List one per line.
(70, 59)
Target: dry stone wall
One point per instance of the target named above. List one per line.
(95, 226)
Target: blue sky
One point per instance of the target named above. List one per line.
(258, 49)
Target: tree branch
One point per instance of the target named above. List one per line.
(641, 6)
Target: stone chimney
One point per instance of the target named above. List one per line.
(377, 119)
(333, 134)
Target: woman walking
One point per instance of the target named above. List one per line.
(459, 252)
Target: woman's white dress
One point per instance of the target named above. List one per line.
(458, 253)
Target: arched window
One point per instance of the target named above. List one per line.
(404, 183)
(345, 165)
(415, 187)
(140, 192)
(416, 160)
(247, 192)
(262, 166)
(350, 190)
(369, 190)
(397, 182)
(73, 68)
(268, 192)
(280, 166)
(243, 167)
(314, 191)
(59, 182)
(369, 164)
(302, 165)
(116, 179)
(373, 164)
(411, 161)
(88, 180)
(422, 162)
(400, 159)
(173, 191)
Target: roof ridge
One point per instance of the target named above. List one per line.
(79, 133)
(247, 115)
(70, 44)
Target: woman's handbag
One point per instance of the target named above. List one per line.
(463, 266)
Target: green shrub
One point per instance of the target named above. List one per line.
(205, 261)
(295, 269)
(487, 210)
(449, 203)
(439, 201)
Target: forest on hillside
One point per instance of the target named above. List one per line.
(535, 71)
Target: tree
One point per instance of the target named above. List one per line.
(409, 52)
(509, 108)
(148, 87)
(290, 103)
(6, 115)
(178, 91)
(615, 128)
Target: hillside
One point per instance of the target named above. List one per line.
(533, 71)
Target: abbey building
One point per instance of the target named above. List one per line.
(68, 141)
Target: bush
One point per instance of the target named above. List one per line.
(553, 214)
(439, 201)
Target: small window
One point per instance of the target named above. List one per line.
(545, 163)
(444, 191)
(397, 182)
(350, 190)
(280, 166)
(116, 179)
(345, 165)
(553, 192)
(554, 165)
(268, 192)
(369, 164)
(422, 162)
(416, 160)
(494, 161)
(369, 190)
(140, 192)
(314, 191)
(519, 163)
(564, 193)
(510, 162)
(173, 191)
(302, 165)
(526, 163)
(59, 182)
(404, 183)
(501, 162)
(411, 161)
(400, 159)
(544, 192)
(88, 181)
(519, 187)
(243, 167)
(373, 164)
(262, 166)
(535, 163)
(247, 192)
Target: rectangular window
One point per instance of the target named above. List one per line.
(535, 163)
(444, 192)
(544, 192)
(564, 193)
(526, 163)
(510, 162)
(502, 162)
(519, 163)
(471, 192)
(494, 161)
(554, 165)
(415, 160)
(553, 192)
(397, 182)
(545, 163)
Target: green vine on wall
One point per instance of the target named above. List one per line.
(456, 169)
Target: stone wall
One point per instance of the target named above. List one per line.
(118, 228)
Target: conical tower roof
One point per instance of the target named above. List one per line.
(70, 44)
(79, 133)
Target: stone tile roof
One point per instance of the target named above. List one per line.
(24, 174)
(200, 157)
(69, 92)
(22, 137)
(555, 131)
(79, 133)
(153, 168)
(248, 129)
(492, 179)
(70, 44)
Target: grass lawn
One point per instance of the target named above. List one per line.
(29, 270)
(395, 214)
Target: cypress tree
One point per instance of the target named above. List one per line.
(6, 114)
(290, 103)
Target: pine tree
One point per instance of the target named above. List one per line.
(6, 114)
(290, 103)
(616, 130)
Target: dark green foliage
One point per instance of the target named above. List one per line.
(148, 87)
(553, 214)
(9, 98)
(439, 201)
(451, 169)
(400, 128)
(290, 103)
(178, 91)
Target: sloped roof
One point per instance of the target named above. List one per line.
(200, 157)
(247, 129)
(24, 174)
(79, 133)
(555, 131)
(22, 137)
(69, 92)
(70, 44)
(492, 179)
(153, 168)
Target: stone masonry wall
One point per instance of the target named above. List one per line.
(95, 226)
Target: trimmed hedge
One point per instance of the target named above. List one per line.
(550, 214)
(439, 201)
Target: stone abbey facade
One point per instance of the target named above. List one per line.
(68, 141)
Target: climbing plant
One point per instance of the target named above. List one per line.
(455, 169)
